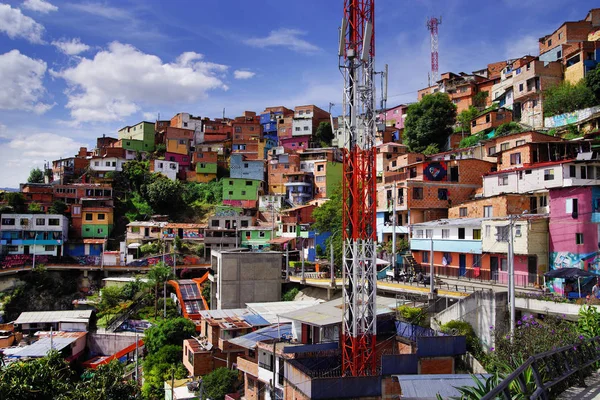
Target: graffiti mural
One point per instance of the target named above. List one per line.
(564, 259)
(434, 171)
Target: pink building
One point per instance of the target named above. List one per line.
(395, 116)
(295, 142)
(574, 218)
(182, 159)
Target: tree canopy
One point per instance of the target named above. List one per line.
(218, 383)
(165, 195)
(465, 117)
(36, 176)
(324, 134)
(592, 81)
(168, 331)
(58, 207)
(567, 97)
(328, 218)
(429, 122)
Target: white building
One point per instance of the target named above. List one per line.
(101, 165)
(541, 178)
(39, 234)
(167, 168)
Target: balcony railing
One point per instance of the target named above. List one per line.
(483, 275)
(263, 365)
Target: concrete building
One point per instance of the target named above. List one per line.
(327, 178)
(298, 187)
(67, 321)
(256, 237)
(67, 169)
(242, 168)
(170, 169)
(241, 277)
(489, 120)
(102, 165)
(187, 121)
(497, 206)
(28, 234)
(240, 192)
(138, 137)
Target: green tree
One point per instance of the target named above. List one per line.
(135, 174)
(431, 149)
(36, 176)
(328, 218)
(58, 207)
(592, 81)
(111, 297)
(218, 383)
(16, 201)
(480, 99)
(429, 122)
(34, 208)
(168, 331)
(324, 134)
(158, 275)
(566, 97)
(106, 383)
(465, 117)
(165, 196)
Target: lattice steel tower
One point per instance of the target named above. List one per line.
(357, 58)
(432, 26)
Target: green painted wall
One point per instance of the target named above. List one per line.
(95, 231)
(240, 189)
(255, 239)
(142, 132)
(209, 168)
(334, 177)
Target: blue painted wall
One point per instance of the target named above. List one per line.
(452, 246)
(246, 169)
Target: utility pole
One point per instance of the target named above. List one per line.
(431, 269)
(273, 397)
(287, 262)
(165, 299)
(394, 201)
(136, 359)
(511, 277)
(303, 280)
(332, 261)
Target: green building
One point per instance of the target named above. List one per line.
(333, 176)
(255, 237)
(206, 168)
(96, 222)
(241, 189)
(139, 137)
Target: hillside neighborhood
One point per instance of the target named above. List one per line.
(204, 257)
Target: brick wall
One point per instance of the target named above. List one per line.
(442, 365)
(501, 206)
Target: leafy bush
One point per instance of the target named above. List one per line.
(168, 331)
(509, 127)
(471, 140)
(291, 294)
(589, 322)
(431, 149)
(218, 383)
(413, 315)
(463, 328)
(567, 97)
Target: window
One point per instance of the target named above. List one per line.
(504, 146)
(108, 163)
(503, 264)
(8, 221)
(520, 87)
(413, 172)
(488, 211)
(301, 112)
(543, 200)
(476, 234)
(231, 193)
(579, 238)
(248, 183)
(40, 221)
(583, 172)
(297, 129)
(517, 230)
(559, 35)
(320, 168)
(476, 260)
(445, 233)
(243, 192)
(502, 233)
(571, 206)
(572, 171)
(306, 128)
(549, 174)
(491, 151)
(97, 163)
(418, 193)
(214, 223)
(24, 221)
(461, 233)
(443, 194)
(549, 42)
(425, 256)
(462, 212)
(429, 233)
(419, 234)
(320, 179)
(503, 180)
(238, 129)
(446, 259)
(261, 234)
(488, 231)
(101, 217)
(48, 248)
(515, 158)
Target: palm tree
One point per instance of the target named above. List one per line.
(158, 275)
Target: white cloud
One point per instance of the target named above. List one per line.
(150, 116)
(102, 10)
(24, 152)
(71, 47)
(17, 25)
(21, 86)
(289, 38)
(118, 81)
(522, 46)
(239, 74)
(40, 6)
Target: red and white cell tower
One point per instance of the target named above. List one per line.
(357, 58)
(432, 26)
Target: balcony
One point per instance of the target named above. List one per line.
(390, 229)
(268, 367)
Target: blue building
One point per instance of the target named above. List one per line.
(246, 169)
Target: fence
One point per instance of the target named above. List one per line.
(549, 369)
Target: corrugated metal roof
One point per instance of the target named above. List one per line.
(43, 346)
(429, 386)
(450, 222)
(250, 340)
(271, 311)
(32, 317)
(255, 320)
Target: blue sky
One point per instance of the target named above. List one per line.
(71, 71)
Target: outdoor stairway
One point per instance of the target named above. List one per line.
(411, 263)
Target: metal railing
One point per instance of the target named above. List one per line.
(548, 369)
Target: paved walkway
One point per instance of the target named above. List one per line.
(590, 392)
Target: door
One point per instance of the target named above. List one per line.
(462, 264)
(453, 174)
(146, 232)
(533, 204)
(26, 250)
(532, 269)
(494, 268)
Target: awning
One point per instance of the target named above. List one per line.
(134, 245)
(569, 273)
(94, 241)
(380, 261)
(280, 240)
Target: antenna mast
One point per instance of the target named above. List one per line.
(356, 62)
(432, 26)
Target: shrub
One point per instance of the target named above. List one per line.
(509, 127)
(463, 328)
(291, 294)
(413, 315)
